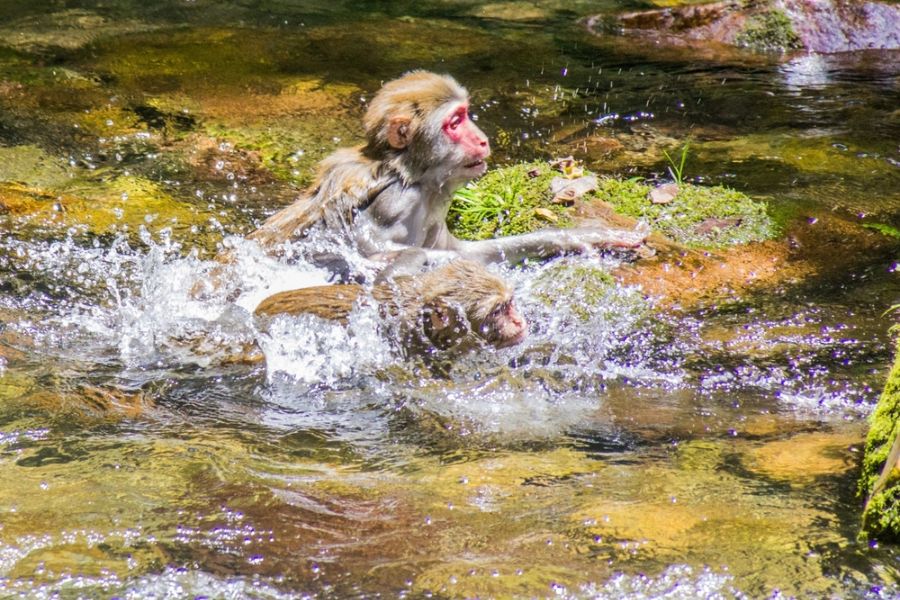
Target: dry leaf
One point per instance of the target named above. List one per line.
(566, 191)
(664, 194)
(546, 214)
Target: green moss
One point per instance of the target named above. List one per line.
(884, 229)
(590, 292)
(769, 31)
(698, 216)
(881, 517)
(507, 201)
(515, 199)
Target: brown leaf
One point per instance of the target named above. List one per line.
(546, 214)
(664, 194)
(566, 191)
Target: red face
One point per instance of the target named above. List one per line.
(508, 326)
(465, 135)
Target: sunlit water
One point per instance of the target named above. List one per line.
(624, 450)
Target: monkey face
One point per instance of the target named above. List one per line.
(505, 326)
(467, 144)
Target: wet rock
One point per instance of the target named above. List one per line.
(120, 204)
(844, 25)
(218, 160)
(816, 25)
(68, 29)
(826, 250)
(879, 481)
(805, 456)
(31, 166)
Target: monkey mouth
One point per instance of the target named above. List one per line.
(478, 164)
(515, 340)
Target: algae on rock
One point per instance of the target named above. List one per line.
(770, 30)
(881, 515)
(517, 199)
(507, 201)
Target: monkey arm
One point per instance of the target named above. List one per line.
(549, 243)
(281, 226)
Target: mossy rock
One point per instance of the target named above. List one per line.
(507, 201)
(881, 516)
(698, 216)
(517, 199)
(585, 286)
(103, 205)
(771, 30)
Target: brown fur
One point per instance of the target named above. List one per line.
(348, 179)
(445, 305)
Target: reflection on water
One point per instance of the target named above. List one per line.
(625, 450)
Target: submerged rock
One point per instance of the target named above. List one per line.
(69, 29)
(780, 25)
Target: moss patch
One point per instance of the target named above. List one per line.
(882, 228)
(881, 517)
(507, 201)
(587, 286)
(708, 217)
(517, 199)
(769, 31)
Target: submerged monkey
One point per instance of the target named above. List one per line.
(449, 307)
(390, 197)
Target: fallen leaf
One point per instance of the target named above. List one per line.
(568, 166)
(664, 194)
(546, 214)
(566, 191)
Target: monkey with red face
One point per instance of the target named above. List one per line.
(390, 197)
(455, 306)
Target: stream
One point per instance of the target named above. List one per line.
(630, 448)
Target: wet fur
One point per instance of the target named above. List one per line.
(444, 307)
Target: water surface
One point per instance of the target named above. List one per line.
(625, 450)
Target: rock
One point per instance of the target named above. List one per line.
(713, 225)
(880, 476)
(816, 25)
(844, 25)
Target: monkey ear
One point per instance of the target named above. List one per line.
(399, 132)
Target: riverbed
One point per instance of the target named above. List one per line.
(630, 448)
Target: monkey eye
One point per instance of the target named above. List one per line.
(457, 119)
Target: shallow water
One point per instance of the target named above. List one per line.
(625, 450)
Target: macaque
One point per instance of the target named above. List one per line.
(449, 307)
(393, 193)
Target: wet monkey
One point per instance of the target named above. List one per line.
(449, 307)
(392, 194)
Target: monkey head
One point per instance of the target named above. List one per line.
(421, 123)
(463, 300)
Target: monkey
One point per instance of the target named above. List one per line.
(455, 306)
(392, 194)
